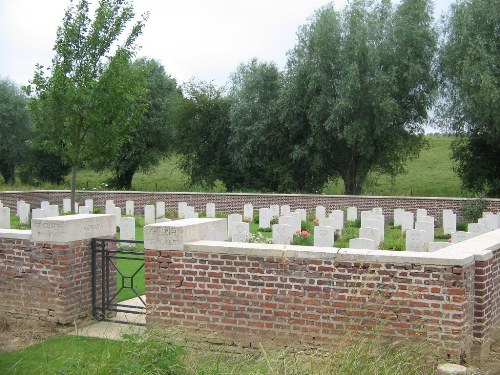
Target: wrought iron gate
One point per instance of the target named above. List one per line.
(118, 284)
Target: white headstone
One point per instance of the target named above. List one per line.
(84, 210)
(372, 234)
(361, 243)
(293, 221)
(338, 217)
(378, 224)
(407, 221)
(275, 211)
(477, 229)
(118, 214)
(429, 219)
(66, 205)
(162, 220)
(428, 228)
(365, 215)
(181, 209)
(149, 214)
(127, 230)
(264, 218)
(5, 217)
(449, 222)
(37, 213)
(210, 210)
(160, 209)
(232, 218)
(44, 205)
(90, 204)
(491, 221)
(352, 213)
(285, 210)
(192, 215)
(129, 208)
(18, 206)
(247, 212)
(378, 211)
(110, 207)
(415, 240)
(24, 213)
(240, 232)
(460, 236)
(435, 246)
(324, 236)
(398, 216)
(320, 212)
(282, 234)
(53, 210)
(421, 212)
(487, 213)
(303, 214)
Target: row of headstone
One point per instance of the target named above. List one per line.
(185, 211)
(372, 230)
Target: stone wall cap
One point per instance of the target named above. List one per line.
(184, 222)
(18, 234)
(327, 253)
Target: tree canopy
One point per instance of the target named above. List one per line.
(15, 128)
(470, 85)
(90, 98)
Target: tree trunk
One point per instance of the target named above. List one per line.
(123, 181)
(8, 173)
(354, 177)
(73, 188)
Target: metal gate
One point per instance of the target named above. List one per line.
(118, 283)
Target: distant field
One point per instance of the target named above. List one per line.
(430, 175)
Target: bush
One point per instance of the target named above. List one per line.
(472, 209)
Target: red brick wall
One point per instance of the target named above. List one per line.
(46, 282)
(233, 203)
(307, 301)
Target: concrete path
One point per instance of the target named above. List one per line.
(115, 331)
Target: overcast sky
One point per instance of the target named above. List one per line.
(205, 39)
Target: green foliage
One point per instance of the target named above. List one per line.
(303, 239)
(90, 99)
(202, 135)
(15, 128)
(470, 87)
(150, 140)
(41, 165)
(358, 87)
(472, 209)
(353, 224)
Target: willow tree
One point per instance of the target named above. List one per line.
(87, 101)
(357, 89)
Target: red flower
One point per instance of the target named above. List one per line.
(304, 233)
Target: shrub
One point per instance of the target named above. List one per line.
(472, 209)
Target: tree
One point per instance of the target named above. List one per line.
(357, 89)
(15, 128)
(87, 105)
(257, 141)
(202, 136)
(470, 85)
(152, 137)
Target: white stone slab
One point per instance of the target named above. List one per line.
(129, 208)
(181, 209)
(365, 215)
(192, 215)
(378, 210)
(174, 234)
(285, 210)
(63, 229)
(428, 228)
(264, 218)
(84, 210)
(415, 240)
(5, 217)
(90, 204)
(407, 221)
(352, 213)
(361, 243)
(338, 217)
(162, 220)
(303, 214)
(18, 206)
(240, 232)
(435, 246)
(477, 229)
(376, 223)
(117, 211)
(324, 236)
(320, 212)
(149, 214)
(449, 222)
(160, 209)
(127, 230)
(398, 216)
(282, 234)
(293, 221)
(372, 234)
(66, 205)
(24, 211)
(421, 212)
(460, 236)
(247, 212)
(232, 218)
(109, 207)
(44, 205)
(210, 210)
(53, 210)
(275, 211)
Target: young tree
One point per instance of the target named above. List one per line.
(152, 137)
(86, 106)
(470, 86)
(15, 128)
(357, 90)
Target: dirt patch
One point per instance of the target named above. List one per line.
(16, 335)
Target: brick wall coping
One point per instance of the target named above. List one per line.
(327, 253)
(118, 192)
(18, 234)
(481, 247)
